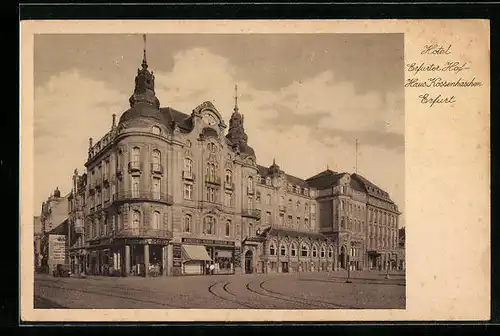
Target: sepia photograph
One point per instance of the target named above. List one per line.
(219, 171)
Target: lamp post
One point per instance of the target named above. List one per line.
(388, 266)
(348, 270)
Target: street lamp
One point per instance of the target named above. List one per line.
(348, 270)
(388, 266)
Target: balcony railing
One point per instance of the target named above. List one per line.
(134, 166)
(229, 185)
(157, 168)
(187, 175)
(252, 213)
(143, 195)
(212, 179)
(139, 232)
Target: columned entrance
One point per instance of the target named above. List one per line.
(249, 262)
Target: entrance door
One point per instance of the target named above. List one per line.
(248, 262)
(284, 267)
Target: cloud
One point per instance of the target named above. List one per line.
(69, 109)
(306, 126)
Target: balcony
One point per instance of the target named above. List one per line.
(252, 213)
(157, 168)
(105, 180)
(143, 232)
(98, 184)
(134, 166)
(143, 195)
(187, 175)
(212, 179)
(282, 208)
(228, 185)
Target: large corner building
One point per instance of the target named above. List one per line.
(170, 193)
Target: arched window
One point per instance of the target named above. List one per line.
(322, 252)
(156, 157)
(314, 251)
(268, 199)
(304, 250)
(187, 223)
(229, 176)
(209, 225)
(250, 184)
(156, 220)
(136, 219)
(272, 249)
(298, 206)
(136, 154)
(283, 250)
(330, 252)
(306, 207)
(156, 130)
(293, 250)
(228, 228)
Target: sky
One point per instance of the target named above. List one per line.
(306, 98)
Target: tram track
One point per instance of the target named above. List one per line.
(225, 290)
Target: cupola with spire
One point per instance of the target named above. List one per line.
(236, 133)
(144, 91)
(274, 169)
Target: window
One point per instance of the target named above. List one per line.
(211, 147)
(156, 188)
(314, 252)
(297, 208)
(156, 157)
(304, 251)
(229, 176)
(156, 130)
(136, 219)
(209, 225)
(293, 250)
(257, 197)
(250, 230)
(268, 199)
(322, 252)
(228, 199)
(330, 252)
(188, 166)
(272, 249)
(135, 186)
(298, 222)
(156, 220)
(210, 172)
(313, 208)
(283, 250)
(268, 181)
(228, 228)
(289, 222)
(136, 154)
(187, 223)
(188, 144)
(249, 203)
(290, 204)
(306, 207)
(250, 184)
(210, 196)
(306, 222)
(188, 191)
(268, 218)
(282, 219)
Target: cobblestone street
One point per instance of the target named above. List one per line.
(321, 290)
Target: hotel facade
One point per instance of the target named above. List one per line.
(170, 193)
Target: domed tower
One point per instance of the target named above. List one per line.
(236, 133)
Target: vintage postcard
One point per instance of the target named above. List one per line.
(255, 170)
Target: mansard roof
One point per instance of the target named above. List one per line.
(324, 180)
(371, 189)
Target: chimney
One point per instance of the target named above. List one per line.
(90, 143)
(114, 121)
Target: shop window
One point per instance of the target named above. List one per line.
(187, 223)
(272, 249)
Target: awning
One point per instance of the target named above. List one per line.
(195, 252)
